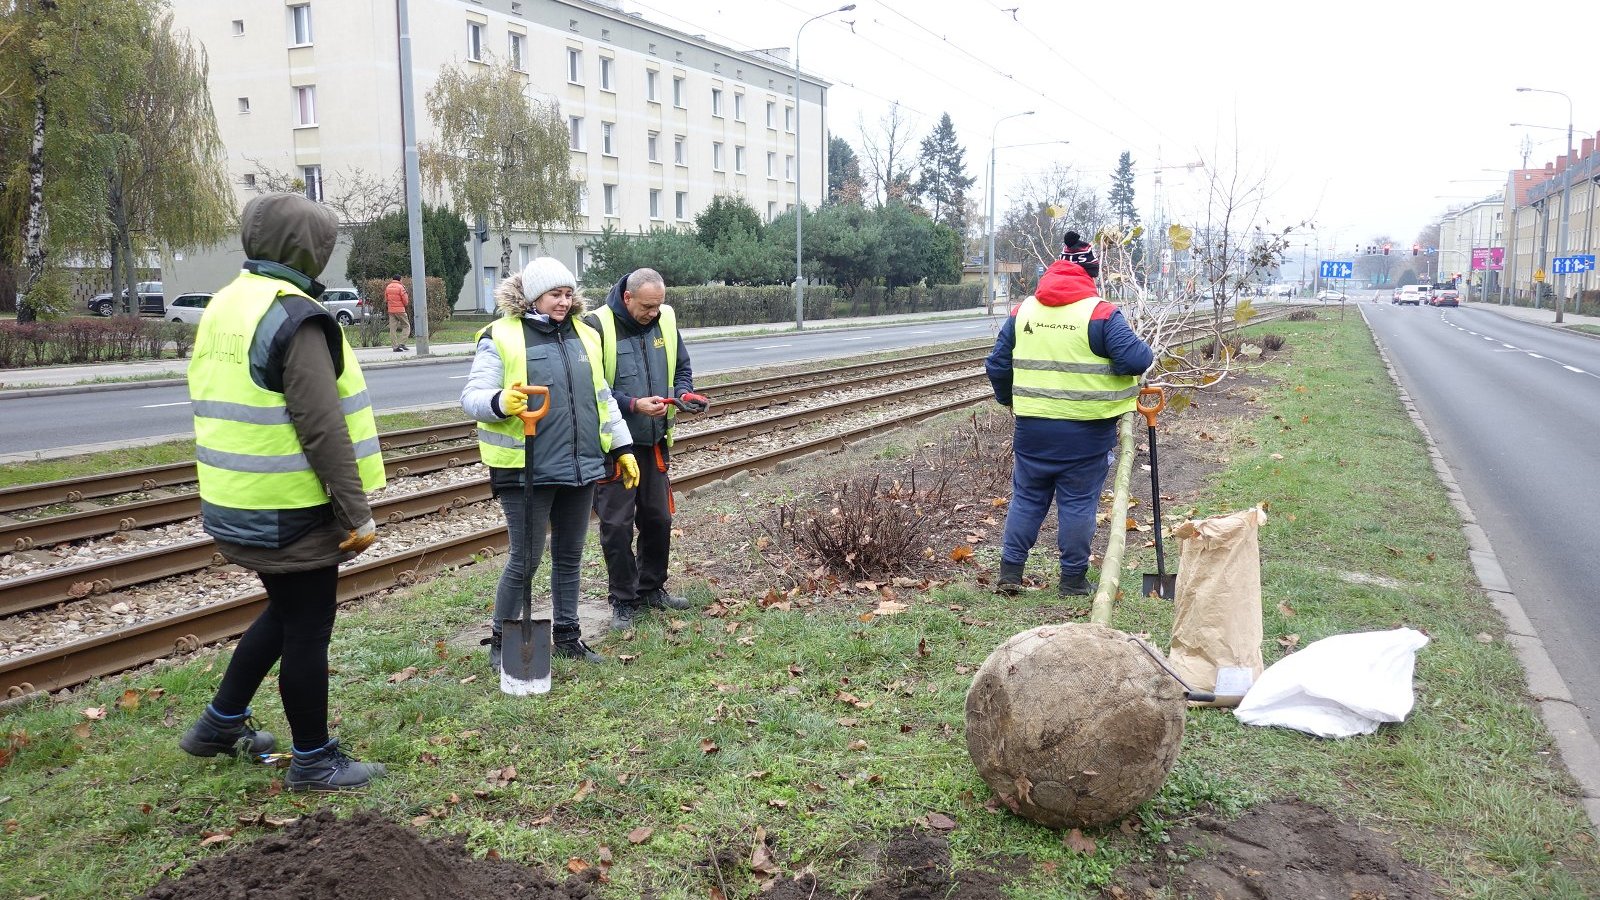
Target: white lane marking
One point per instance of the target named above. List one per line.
(1535, 356)
(1487, 338)
(1508, 346)
(160, 405)
(454, 377)
(1575, 369)
(769, 346)
(923, 331)
(856, 339)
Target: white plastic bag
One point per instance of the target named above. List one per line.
(1339, 686)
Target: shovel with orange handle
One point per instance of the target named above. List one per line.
(1152, 400)
(525, 645)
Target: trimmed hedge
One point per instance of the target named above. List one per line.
(77, 341)
(713, 304)
(876, 300)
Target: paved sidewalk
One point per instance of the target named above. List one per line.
(1542, 316)
(17, 382)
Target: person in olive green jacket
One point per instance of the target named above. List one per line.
(286, 448)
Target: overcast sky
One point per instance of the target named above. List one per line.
(1359, 115)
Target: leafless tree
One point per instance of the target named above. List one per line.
(887, 155)
(355, 195)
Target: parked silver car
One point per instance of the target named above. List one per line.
(345, 304)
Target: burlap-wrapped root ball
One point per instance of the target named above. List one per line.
(1073, 725)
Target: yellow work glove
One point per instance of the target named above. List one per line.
(513, 403)
(630, 470)
(361, 538)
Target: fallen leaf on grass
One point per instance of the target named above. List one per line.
(775, 803)
(1485, 638)
(640, 835)
(1277, 456)
(576, 864)
(216, 837)
(402, 675)
(1288, 641)
(419, 821)
(1393, 551)
(95, 713)
(1285, 609)
(469, 679)
(129, 700)
(761, 861)
(708, 746)
(1076, 842)
(858, 745)
(961, 553)
(890, 608)
(584, 789)
(503, 777)
(939, 822)
(922, 646)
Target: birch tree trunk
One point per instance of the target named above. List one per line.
(33, 228)
(1117, 538)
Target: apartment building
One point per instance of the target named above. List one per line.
(659, 121)
(1533, 208)
(1475, 226)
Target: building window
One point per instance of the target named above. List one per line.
(738, 159)
(583, 200)
(300, 25)
(738, 107)
(610, 192)
(772, 114)
(788, 119)
(772, 210)
(677, 92)
(305, 106)
(605, 73)
(524, 255)
(575, 132)
(772, 165)
(312, 176)
(788, 168)
(716, 102)
(244, 106)
(652, 80)
(606, 146)
(574, 65)
(581, 261)
(475, 41)
(652, 146)
(683, 205)
(250, 180)
(514, 51)
(716, 156)
(238, 27)
(655, 203)
(679, 155)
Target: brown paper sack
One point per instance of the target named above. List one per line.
(1216, 629)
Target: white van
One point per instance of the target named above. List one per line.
(1414, 294)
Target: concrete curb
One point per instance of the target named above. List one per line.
(1579, 750)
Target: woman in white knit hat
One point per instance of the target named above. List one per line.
(539, 340)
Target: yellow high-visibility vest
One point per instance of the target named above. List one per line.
(501, 444)
(1054, 374)
(247, 454)
(668, 320)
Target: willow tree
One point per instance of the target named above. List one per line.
(164, 163)
(503, 158)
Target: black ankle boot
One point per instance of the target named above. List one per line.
(493, 643)
(1074, 585)
(660, 599)
(212, 735)
(623, 618)
(330, 769)
(576, 649)
(1010, 578)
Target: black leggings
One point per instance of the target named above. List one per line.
(296, 627)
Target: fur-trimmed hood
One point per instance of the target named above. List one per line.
(508, 300)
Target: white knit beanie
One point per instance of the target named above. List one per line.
(543, 274)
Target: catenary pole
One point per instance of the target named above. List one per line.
(408, 132)
(799, 168)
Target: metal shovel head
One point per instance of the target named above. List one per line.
(1163, 586)
(525, 657)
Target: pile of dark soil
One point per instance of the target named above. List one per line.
(363, 857)
(1286, 850)
(915, 866)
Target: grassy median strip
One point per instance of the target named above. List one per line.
(831, 732)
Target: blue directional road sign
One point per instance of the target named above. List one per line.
(1333, 268)
(1571, 265)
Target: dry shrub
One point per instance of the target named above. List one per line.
(1271, 341)
(862, 529)
(1227, 347)
(1303, 315)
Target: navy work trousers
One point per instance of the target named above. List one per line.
(647, 509)
(1075, 485)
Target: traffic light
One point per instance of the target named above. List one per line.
(1415, 249)
(1385, 249)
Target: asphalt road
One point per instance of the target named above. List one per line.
(1515, 409)
(29, 424)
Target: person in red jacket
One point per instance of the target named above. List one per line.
(395, 300)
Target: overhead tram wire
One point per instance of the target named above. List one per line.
(1074, 67)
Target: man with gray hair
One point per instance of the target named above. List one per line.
(647, 366)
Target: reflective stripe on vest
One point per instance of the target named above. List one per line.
(501, 444)
(247, 454)
(1054, 374)
(668, 320)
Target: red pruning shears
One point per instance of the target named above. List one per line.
(690, 402)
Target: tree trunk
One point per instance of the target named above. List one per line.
(117, 207)
(33, 228)
(505, 255)
(1117, 538)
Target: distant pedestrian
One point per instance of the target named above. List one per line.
(286, 449)
(538, 340)
(647, 366)
(396, 300)
(1067, 364)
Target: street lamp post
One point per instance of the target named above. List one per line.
(799, 167)
(989, 257)
(1566, 192)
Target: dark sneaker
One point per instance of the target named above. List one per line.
(1074, 585)
(1010, 578)
(212, 735)
(493, 643)
(330, 769)
(622, 618)
(576, 649)
(399, 349)
(660, 599)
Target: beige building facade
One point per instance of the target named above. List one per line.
(307, 92)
